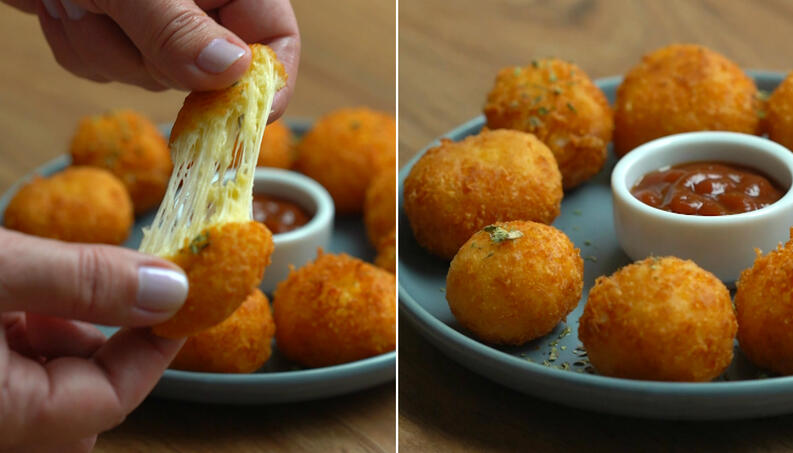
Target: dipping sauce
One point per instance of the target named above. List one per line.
(707, 188)
(277, 214)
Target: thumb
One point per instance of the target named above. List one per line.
(95, 283)
(179, 41)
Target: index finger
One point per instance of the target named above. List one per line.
(270, 22)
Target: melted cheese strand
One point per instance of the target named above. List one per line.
(214, 162)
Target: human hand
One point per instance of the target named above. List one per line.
(158, 44)
(61, 381)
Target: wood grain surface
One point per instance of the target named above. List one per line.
(449, 53)
(348, 59)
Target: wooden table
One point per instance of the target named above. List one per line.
(348, 59)
(449, 53)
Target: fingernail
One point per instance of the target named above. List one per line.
(161, 289)
(73, 11)
(218, 55)
(52, 8)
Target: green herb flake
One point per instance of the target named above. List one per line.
(592, 258)
(499, 234)
(587, 243)
(572, 109)
(199, 243)
(763, 95)
(577, 212)
(516, 72)
(552, 77)
(543, 110)
(535, 64)
(761, 114)
(556, 90)
(443, 290)
(563, 348)
(534, 121)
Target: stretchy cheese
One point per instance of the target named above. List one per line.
(215, 145)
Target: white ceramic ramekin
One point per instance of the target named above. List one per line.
(724, 245)
(299, 246)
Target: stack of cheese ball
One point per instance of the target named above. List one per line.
(487, 201)
(334, 310)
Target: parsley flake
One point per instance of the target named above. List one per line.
(499, 234)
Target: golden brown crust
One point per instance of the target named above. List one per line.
(379, 209)
(456, 189)
(240, 344)
(131, 147)
(79, 204)
(386, 252)
(778, 122)
(764, 304)
(223, 267)
(659, 319)
(200, 106)
(335, 310)
(276, 150)
(516, 290)
(556, 101)
(344, 150)
(683, 88)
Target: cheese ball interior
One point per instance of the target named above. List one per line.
(223, 265)
(240, 344)
(556, 101)
(131, 147)
(662, 319)
(764, 305)
(79, 204)
(344, 150)
(458, 188)
(514, 281)
(335, 310)
(683, 88)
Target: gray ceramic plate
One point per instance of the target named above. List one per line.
(743, 391)
(279, 380)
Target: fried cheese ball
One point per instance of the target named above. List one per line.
(79, 204)
(778, 121)
(683, 88)
(458, 188)
(556, 101)
(223, 266)
(764, 304)
(130, 146)
(379, 209)
(240, 344)
(335, 310)
(344, 150)
(276, 150)
(514, 281)
(386, 252)
(662, 319)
